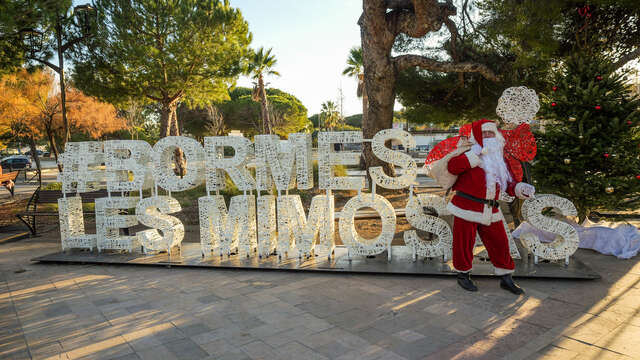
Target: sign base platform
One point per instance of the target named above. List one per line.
(401, 263)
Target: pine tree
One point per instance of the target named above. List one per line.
(589, 148)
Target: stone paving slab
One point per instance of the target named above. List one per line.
(62, 311)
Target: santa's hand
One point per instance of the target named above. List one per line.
(477, 149)
(525, 191)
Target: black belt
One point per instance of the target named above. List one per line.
(492, 203)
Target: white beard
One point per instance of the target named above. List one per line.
(493, 163)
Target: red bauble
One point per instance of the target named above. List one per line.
(598, 77)
(554, 88)
(629, 122)
(638, 177)
(606, 155)
(553, 104)
(598, 107)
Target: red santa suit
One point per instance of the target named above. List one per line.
(476, 210)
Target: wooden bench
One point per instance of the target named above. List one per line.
(28, 217)
(8, 180)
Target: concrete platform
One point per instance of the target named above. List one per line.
(401, 263)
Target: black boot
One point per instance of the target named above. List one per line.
(464, 280)
(506, 282)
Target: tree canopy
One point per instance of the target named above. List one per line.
(165, 52)
(240, 112)
(522, 40)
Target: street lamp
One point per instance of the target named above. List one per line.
(84, 16)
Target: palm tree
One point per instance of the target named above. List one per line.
(261, 65)
(355, 69)
(329, 115)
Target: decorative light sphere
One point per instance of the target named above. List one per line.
(572, 118)
(567, 161)
(609, 189)
(518, 105)
(580, 137)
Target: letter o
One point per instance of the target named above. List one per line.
(163, 171)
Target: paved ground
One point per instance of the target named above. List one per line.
(103, 312)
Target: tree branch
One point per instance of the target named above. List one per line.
(45, 62)
(624, 59)
(423, 17)
(408, 61)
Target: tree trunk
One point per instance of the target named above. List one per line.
(365, 102)
(34, 155)
(174, 130)
(379, 80)
(264, 111)
(54, 148)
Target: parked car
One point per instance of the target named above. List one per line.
(39, 152)
(16, 162)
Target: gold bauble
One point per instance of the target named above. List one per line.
(572, 118)
(567, 161)
(609, 189)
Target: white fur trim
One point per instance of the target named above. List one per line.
(439, 170)
(499, 271)
(464, 272)
(519, 188)
(474, 160)
(490, 126)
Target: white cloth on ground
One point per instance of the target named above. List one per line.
(619, 239)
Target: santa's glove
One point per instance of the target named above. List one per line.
(525, 191)
(477, 149)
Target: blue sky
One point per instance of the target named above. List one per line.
(311, 41)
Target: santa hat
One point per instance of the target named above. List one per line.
(477, 127)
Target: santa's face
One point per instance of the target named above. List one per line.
(488, 134)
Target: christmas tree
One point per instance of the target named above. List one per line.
(589, 145)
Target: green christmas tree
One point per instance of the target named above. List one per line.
(589, 147)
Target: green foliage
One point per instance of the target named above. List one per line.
(262, 63)
(354, 120)
(240, 112)
(520, 40)
(163, 51)
(601, 146)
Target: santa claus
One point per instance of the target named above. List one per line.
(481, 173)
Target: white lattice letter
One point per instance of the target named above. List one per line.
(71, 218)
(124, 157)
(327, 158)
(357, 244)
(396, 158)
(296, 231)
(231, 230)
(235, 166)
(109, 222)
(566, 242)
(163, 173)
(441, 246)
(81, 162)
(267, 227)
(152, 212)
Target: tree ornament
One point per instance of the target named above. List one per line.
(580, 137)
(572, 118)
(609, 189)
(606, 155)
(598, 77)
(598, 107)
(629, 122)
(555, 88)
(554, 104)
(638, 176)
(567, 161)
